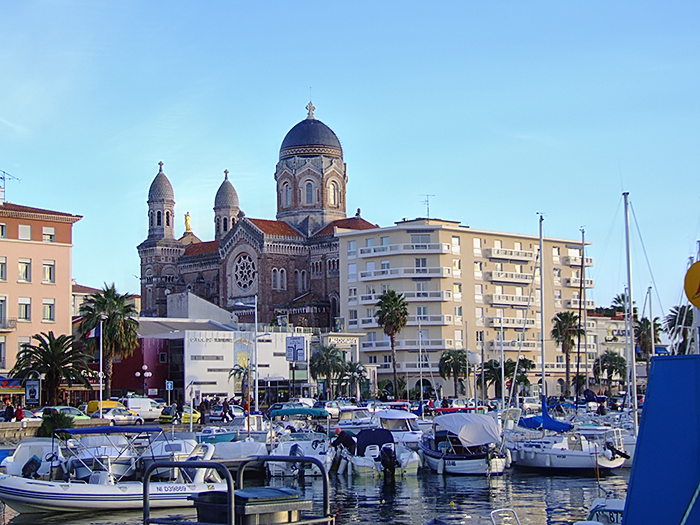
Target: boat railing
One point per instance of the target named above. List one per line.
(220, 469)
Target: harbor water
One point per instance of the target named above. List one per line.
(538, 499)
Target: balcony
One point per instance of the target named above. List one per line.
(398, 249)
(509, 255)
(375, 345)
(511, 322)
(369, 322)
(369, 298)
(575, 260)
(576, 303)
(437, 295)
(575, 282)
(400, 273)
(512, 300)
(426, 345)
(8, 325)
(509, 277)
(494, 345)
(429, 320)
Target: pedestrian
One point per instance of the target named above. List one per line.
(345, 439)
(177, 412)
(225, 412)
(9, 411)
(19, 413)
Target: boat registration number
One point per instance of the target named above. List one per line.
(607, 517)
(171, 488)
(450, 463)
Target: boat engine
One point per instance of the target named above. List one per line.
(616, 452)
(388, 460)
(30, 468)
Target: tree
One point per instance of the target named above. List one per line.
(565, 330)
(453, 363)
(679, 325)
(524, 365)
(642, 338)
(326, 362)
(392, 316)
(57, 359)
(492, 375)
(611, 364)
(119, 327)
(242, 372)
(354, 373)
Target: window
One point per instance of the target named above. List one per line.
(477, 244)
(25, 309)
(421, 289)
(480, 337)
(518, 268)
(49, 272)
(333, 193)
(385, 288)
(555, 253)
(3, 230)
(225, 223)
(373, 360)
(287, 194)
(458, 311)
(478, 268)
(163, 357)
(384, 241)
(498, 289)
(459, 339)
(369, 242)
(49, 310)
(517, 246)
(3, 351)
(457, 267)
(3, 268)
(385, 265)
(371, 336)
(370, 289)
(25, 271)
(150, 219)
(352, 293)
(369, 313)
(498, 267)
(422, 313)
(309, 193)
(158, 219)
(283, 279)
(420, 238)
(478, 292)
(352, 272)
(421, 265)
(352, 315)
(370, 267)
(387, 359)
(455, 244)
(25, 232)
(49, 234)
(167, 220)
(275, 283)
(352, 248)
(457, 291)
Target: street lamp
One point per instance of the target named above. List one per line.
(146, 375)
(255, 345)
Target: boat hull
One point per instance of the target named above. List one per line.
(568, 461)
(465, 465)
(36, 496)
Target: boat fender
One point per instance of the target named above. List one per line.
(509, 458)
(548, 460)
(342, 466)
(441, 466)
(422, 458)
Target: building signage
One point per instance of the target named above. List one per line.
(295, 348)
(334, 340)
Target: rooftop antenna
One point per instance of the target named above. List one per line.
(4, 176)
(427, 204)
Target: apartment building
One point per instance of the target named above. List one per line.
(35, 276)
(466, 289)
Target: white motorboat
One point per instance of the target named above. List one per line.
(253, 426)
(354, 419)
(403, 425)
(463, 443)
(303, 444)
(243, 449)
(46, 450)
(102, 492)
(377, 454)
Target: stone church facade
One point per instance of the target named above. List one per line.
(291, 263)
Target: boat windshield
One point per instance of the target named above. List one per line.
(349, 415)
(303, 436)
(400, 425)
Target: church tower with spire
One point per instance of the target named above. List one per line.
(226, 210)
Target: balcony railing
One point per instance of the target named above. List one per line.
(512, 346)
(512, 300)
(369, 322)
(8, 325)
(509, 277)
(509, 255)
(398, 273)
(575, 303)
(436, 295)
(575, 260)
(430, 320)
(395, 249)
(511, 322)
(408, 344)
(575, 282)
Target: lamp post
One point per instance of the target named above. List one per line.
(146, 375)
(255, 346)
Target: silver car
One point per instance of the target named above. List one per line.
(118, 416)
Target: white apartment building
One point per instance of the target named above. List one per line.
(466, 289)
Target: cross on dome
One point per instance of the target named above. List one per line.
(225, 174)
(311, 108)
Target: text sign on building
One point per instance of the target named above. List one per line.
(295, 348)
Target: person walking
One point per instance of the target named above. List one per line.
(225, 412)
(19, 413)
(9, 411)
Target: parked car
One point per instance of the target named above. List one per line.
(216, 412)
(160, 401)
(118, 416)
(530, 404)
(71, 411)
(332, 407)
(287, 404)
(166, 416)
(144, 407)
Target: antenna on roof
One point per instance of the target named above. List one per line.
(3, 177)
(427, 204)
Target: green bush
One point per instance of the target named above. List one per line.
(50, 422)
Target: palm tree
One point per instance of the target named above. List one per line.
(242, 372)
(326, 362)
(354, 373)
(57, 359)
(392, 316)
(679, 325)
(642, 337)
(565, 331)
(613, 364)
(119, 326)
(524, 365)
(453, 363)
(492, 375)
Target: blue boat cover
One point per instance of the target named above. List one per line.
(85, 431)
(313, 412)
(666, 469)
(545, 421)
(372, 436)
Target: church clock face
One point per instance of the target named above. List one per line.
(244, 271)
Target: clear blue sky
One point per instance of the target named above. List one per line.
(497, 109)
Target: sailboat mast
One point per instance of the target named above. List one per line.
(630, 302)
(544, 391)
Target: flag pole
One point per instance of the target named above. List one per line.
(101, 373)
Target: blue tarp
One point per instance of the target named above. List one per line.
(666, 470)
(84, 431)
(545, 421)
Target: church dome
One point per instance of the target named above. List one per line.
(160, 187)
(226, 196)
(310, 138)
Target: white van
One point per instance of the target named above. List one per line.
(147, 408)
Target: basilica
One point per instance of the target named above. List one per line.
(290, 264)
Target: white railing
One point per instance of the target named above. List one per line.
(509, 277)
(575, 282)
(517, 300)
(436, 295)
(575, 260)
(512, 346)
(430, 320)
(511, 322)
(575, 303)
(511, 255)
(398, 273)
(438, 248)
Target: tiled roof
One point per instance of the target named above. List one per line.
(202, 248)
(275, 228)
(79, 288)
(352, 223)
(8, 207)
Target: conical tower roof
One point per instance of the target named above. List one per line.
(226, 196)
(161, 189)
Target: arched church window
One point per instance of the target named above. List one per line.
(309, 193)
(287, 194)
(304, 281)
(158, 219)
(167, 218)
(150, 219)
(283, 279)
(225, 224)
(274, 278)
(333, 193)
(217, 225)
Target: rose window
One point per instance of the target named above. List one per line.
(244, 271)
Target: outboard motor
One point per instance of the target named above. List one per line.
(297, 468)
(387, 457)
(31, 467)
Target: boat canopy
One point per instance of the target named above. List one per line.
(313, 412)
(373, 436)
(84, 431)
(545, 421)
(394, 414)
(471, 429)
